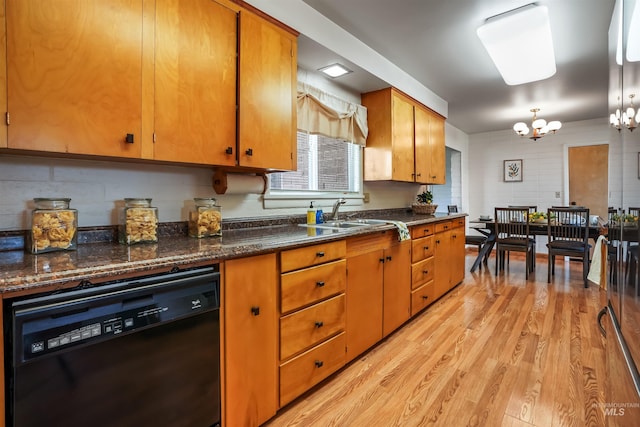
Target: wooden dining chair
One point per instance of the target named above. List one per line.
(568, 235)
(512, 234)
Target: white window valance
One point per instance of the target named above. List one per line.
(325, 114)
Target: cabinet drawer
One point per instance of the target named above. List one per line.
(421, 272)
(304, 287)
(421, 248)
(443, 226)
(305, 328)
(422, 231)
(312, 255)
(308, 369)
(422, 297)
(458, 222)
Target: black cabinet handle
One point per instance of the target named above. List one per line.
(249, 152)
(425, 297)
(438, 242)
(425, 271)
(319, 254)
(129, 138)
(389, 258)
(255, 311)
(319, 324)
(229, 150)
(382, 260)
(320, 284)
(318, 363)
(426, 248)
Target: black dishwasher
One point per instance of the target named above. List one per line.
(137, 352)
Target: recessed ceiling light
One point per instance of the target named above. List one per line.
(335, 70)
(519, 43)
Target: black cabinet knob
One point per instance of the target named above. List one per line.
(249, 152)
(319, 254)
(425, 297)
(255, 311)
(382, 260)
(389, 258)
(229, 150)
(320, 284)
(129, 138)
(425, 271)
(319, 324)
(318, 363)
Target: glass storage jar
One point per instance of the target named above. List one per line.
(53, 225)
(205, 219)
(138, 222)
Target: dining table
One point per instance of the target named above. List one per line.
(487, 228)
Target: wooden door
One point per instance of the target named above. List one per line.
(589, 178)
(195, 82)
(402, 160)
(364, 302)
(267, 88)
(74, 76)
(397, 286)
(250, 340)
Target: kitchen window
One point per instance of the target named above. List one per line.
(330, 140)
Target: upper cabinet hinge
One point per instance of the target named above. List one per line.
(8, 119)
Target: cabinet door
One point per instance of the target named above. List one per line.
(267, 88)
(250, 340)
(457, 256)
(442, 264)
(364, 302)
(437, 155)
(195, 82)
(422, 145)
(402, 139)
(397, 286)
(74, 76)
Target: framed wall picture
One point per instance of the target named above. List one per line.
(513, 170)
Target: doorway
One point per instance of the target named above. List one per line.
(589, 177)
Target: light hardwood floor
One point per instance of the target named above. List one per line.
(495, 351)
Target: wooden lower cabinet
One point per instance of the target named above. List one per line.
(250, 335)
(312, 316)
(378, 289)
(449, 256)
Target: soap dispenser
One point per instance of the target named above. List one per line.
(311, 214)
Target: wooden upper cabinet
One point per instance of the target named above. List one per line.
(74, 76)
(195, 82)
(267, 95)
(406, 139)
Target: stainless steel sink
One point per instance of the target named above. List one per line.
(346, 224)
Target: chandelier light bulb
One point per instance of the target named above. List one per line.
(540, 126)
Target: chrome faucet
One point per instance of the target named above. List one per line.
(336, 206)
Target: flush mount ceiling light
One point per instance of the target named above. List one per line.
(629, 118)
(335, 70)
(519, 43)
(540, 126)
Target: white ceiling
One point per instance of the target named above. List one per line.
(435, 42)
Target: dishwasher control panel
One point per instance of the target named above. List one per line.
(75, 319)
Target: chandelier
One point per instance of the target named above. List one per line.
(540, 126)
(629, 118)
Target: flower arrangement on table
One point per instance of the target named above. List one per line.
(628, 219)
(539, 217)
(423, 205)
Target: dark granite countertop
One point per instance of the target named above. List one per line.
(20, 271)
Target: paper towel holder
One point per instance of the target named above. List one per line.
(222, 177)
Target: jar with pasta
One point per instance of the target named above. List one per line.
(205, 219)
(53, 225)
(138, 222)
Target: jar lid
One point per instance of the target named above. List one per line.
(137, 201)
(205, 201)
(51, 202)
